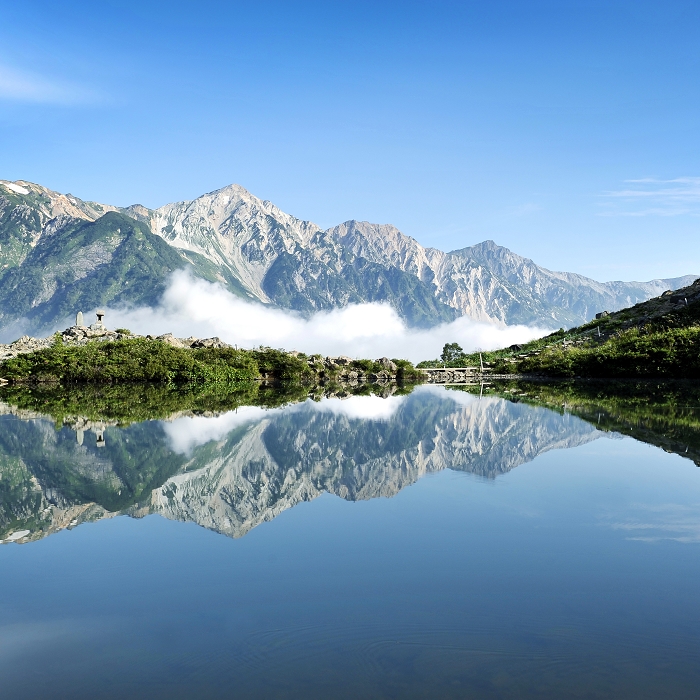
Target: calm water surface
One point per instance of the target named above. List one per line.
(422, 546)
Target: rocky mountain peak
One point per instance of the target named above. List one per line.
(383, 244)
(51, 204)
(227, 211)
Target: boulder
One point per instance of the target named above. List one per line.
(170, 339)
(210, 343)
(386, 363)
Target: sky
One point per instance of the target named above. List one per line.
(567, 131)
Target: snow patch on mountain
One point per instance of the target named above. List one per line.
(15, 188)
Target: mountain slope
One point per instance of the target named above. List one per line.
(529, 294)
(291, 263)
(113, 260)
(656, 338)
(491, 283)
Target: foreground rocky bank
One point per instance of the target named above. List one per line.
(89, 354)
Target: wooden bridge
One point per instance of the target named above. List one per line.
(453, 375)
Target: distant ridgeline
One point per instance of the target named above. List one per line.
(94, 354)
(59, 253)
(656, 338)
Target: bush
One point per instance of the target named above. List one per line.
(673, 352)
(123, 361)
(280, 364)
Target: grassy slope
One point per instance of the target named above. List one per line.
(656, 338)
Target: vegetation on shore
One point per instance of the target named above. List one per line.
(124, 404)
(132, 360)
(657, 338)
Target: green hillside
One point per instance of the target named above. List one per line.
(113, 260)
(656, 338)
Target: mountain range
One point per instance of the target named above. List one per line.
(59, 254)
(240, 470)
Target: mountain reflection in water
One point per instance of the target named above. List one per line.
(233, 471)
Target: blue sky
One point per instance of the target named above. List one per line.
(567, 131)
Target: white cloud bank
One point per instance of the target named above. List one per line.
(373, 408)
(190, 431)
(195, 307)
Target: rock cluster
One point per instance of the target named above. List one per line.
(23, 345)
(82, 335)
(75, 335)
(191, 342)
(344, 370)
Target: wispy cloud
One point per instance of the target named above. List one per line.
(652, 197)
(670, 521)
(526, 209)
(21, 86)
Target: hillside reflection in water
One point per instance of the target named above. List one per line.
(571, 577)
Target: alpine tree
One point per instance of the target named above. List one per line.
(451, 353)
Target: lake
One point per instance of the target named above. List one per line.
(435, 544)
